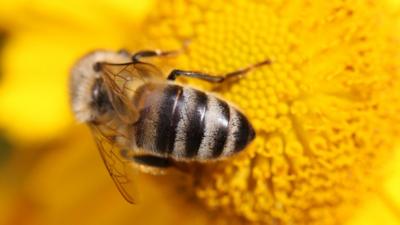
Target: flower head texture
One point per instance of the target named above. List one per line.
(325, 110)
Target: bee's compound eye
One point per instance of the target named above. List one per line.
(100, 100)
(97, 67)
(96, 92)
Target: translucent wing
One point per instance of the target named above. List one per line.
(122, 80)
(120, 169)
(147, 70)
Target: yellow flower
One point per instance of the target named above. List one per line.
(325, 111)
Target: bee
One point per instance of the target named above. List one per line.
(142, 120)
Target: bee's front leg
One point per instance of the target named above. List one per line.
(157, 53)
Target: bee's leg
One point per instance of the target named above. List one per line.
(216, 79)
(152, 53)
(145, 53)
(124, 52)
(151, 164)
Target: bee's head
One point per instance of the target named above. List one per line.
(88, 94)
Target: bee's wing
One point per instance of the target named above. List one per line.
(122, 80)
(120, 169)
(147, 70)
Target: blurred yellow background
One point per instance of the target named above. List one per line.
(50, 171)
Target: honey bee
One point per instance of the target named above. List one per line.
(140, 119)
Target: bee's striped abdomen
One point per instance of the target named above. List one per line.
(192, 124)
(168, 118)
(184, 123)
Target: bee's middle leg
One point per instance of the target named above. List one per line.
(216, 78)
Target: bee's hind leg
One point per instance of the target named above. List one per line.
(151, 164)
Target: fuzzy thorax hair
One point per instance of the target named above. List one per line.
(83, 77)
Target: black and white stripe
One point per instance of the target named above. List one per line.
(216, 129)
(184, 123)
(190, 129)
